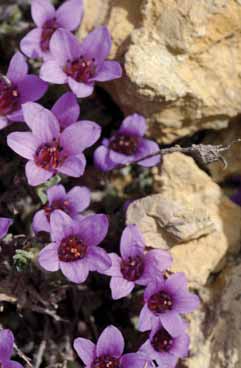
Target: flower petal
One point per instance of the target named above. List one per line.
(180, 346)
(42, 10)
(102, 160)
(120, 287)
(18, 68)
(131, 242)
(114, 270)
(146, 148)
(41, 121)
(12, 364)
(35, 174)
(51, 72)
(134, 124)
(66, 110)
(93, 229)
(80, 89)
(3, 122)
(176, 282)
(145, 319)
(30, 44)
(31, 88)
(40, 222)
(110, 70)
(79, 198)
(73, 166)
(173, 323)
(69, 14)
(16, 116)
(185, 302)
(85, 350)
(55, 193)
(5, 223)
(6, 344)
(98, 259)
(48, 257)
(156, 261)
(79, 136)
(61, 225)
(110, 342)
(24, 144)
(97, 45)
(76, 271)
(133, 360)
(153, 287)
(64, 46)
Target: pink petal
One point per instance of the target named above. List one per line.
(134, 124)
(69, 14)
(30, 44)
(64, 46)
(48, 258)
(110, 342)
(85, 350)
(73, 166)
(6, 344)
(66, 110)
(40, 222)
(81, 90)
(42, 10)
(35, 174)
(51, 72)
(31, 88)
(24, 144)
(131, 238)
(79, 197)
(120, 287)
(76, 271)
(18, 68)
(110, 70)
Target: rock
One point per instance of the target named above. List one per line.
(182, 61)
(232, 156)
(215, 328)
(190, 216)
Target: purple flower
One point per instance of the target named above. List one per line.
(16, 88)
(127, 145)
(66, 110)
(135, 267)
(164, 300)
(74, 246)
(108, 352)
(48, 149)
(5, 223)
(72, 203)
(80, 65)
(68, 16)
(6, 350)
(164, 347)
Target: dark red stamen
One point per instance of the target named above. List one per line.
(162, 341)
(81, 70)
(57, 205)
(49, 156)
(48, 30)
(132, 268)
(106, 361)
(160, 302)
(9, 97)
(71, 249)
(125, 144)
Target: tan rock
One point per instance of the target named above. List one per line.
(215, 328)
(191, 216)
(182, 61)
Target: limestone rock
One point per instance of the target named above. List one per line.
(182, 61)
(215, 328)
(191, 216)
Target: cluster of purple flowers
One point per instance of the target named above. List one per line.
(55, 144)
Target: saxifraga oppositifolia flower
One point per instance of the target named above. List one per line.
(48, 149)
(6, 350)
(108, 352)
(134, 266)
(68, 16)
(80, 65)
(5, 223)
(16, 88)
(66, 109)
(165, 348)
(74, 247)
(72, 203)
(127, 145)
(164, 300)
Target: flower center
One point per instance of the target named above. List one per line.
(71, 249)
(162, 341)
(125, 144)
(48, 29)
(9, 97)
(57, 205)
(132, 268)
(81, 70)
(160, 302)
(49, 156)
(106, 361)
